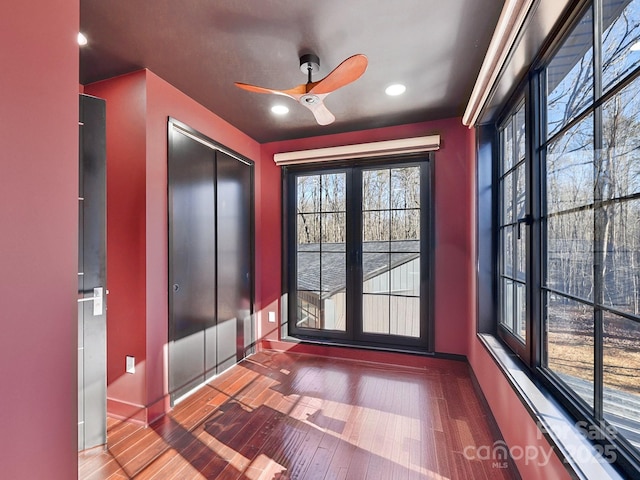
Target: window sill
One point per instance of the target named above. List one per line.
(580, 457)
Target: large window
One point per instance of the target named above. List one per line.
(569, 286)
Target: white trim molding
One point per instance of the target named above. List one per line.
(513, 16)
(362, 150)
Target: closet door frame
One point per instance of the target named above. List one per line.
(245, 335)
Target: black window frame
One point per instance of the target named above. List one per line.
(520, 227)
(532, 353)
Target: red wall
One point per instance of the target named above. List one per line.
(454, 270)
(515, 423)
(38, 239)
(138, 107)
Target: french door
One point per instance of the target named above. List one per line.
(358, 253)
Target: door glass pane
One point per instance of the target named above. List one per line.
(570, 77)
(308, 313)
(376, 227)
(308, 194)
(391, 229)
(621, 369)
(308, 270)
(405, 224)
(405, 316)
(334, 193)
(376, 314)
(333, 298)
(405, 188)
(308, 226)
(405, 274)
(321, 245)
(375, 272)
(333, 231)
(570, 344)
(333, 275)
(376, 189)
(405, 294)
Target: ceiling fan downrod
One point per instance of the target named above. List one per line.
(309, 64)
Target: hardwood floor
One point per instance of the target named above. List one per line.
(289, 416)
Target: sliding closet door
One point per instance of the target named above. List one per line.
(234, 259)
(192, 264)
(210, 259)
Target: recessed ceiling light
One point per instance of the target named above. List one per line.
(279, 109)
(82, 40)
(395, 89)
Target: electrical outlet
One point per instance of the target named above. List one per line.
(272, 317)
(131, 364)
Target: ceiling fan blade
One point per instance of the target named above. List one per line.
(320, 112)
(345, 73)
(292, 92)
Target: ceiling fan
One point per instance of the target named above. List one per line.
(312, 94)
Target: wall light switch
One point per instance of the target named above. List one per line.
(131, 364)
(272, 317)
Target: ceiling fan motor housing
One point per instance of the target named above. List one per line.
(309, 63)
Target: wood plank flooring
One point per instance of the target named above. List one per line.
(282, 416)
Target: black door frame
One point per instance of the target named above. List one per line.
(353, 334)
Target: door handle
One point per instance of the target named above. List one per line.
(97, 299)
(527, 220)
